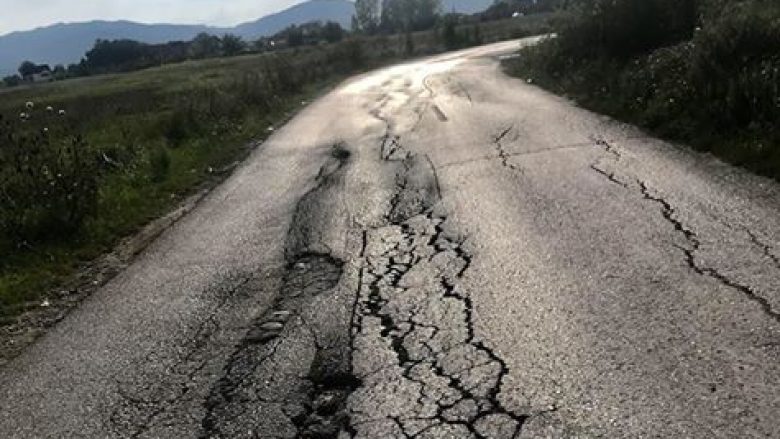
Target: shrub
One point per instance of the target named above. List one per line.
(710, 76)
(737, 62)
(626, 28)
(408, 44)
(450, 36)
(159, 164)
(180, 126)
(48, 179)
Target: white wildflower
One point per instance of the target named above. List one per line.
(29, 105)
(50, 109)
(61, 112)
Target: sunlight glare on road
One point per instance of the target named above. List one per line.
(416, 72)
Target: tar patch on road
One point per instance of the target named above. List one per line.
(291, 374)
(314, 404)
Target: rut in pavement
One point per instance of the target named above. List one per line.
(423, 371)
(291, 374)
(258, 373)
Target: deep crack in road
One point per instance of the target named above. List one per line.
(434, 250)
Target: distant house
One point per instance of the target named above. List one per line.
(41, 73)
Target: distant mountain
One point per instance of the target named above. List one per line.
(66, 43)
(340, 11)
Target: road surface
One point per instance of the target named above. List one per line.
(435, 250)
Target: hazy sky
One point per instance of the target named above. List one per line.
(28, 14)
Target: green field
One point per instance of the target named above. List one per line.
(129, 147)
(149, 139)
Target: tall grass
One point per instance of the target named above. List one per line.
(127, 147)
(705, 72)
(48, 181)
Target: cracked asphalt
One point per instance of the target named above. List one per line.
(435, 250)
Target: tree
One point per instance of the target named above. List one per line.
(80, 69)
(170, 52)
(332, 32)
(295, 36)
(408, 44)
(450, 32)
(355, 25)
(477, 35)
(12, 80)
(27, 68)
(425, 14)
(205, 46)
(627, 28)
(506, 8)
(395, 15)
(118, 56)
(366, 18)
(409, 15)
(59, 72)
(232, 45)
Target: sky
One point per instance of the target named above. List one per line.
(28, 14)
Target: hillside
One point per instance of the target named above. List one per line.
(340, 11)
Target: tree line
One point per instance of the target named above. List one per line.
(124, 55)
(395, 16)
(400, 16)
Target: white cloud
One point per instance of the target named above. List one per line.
(28, 14)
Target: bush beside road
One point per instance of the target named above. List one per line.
(702, 72)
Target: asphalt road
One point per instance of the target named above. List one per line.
(435, 250)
